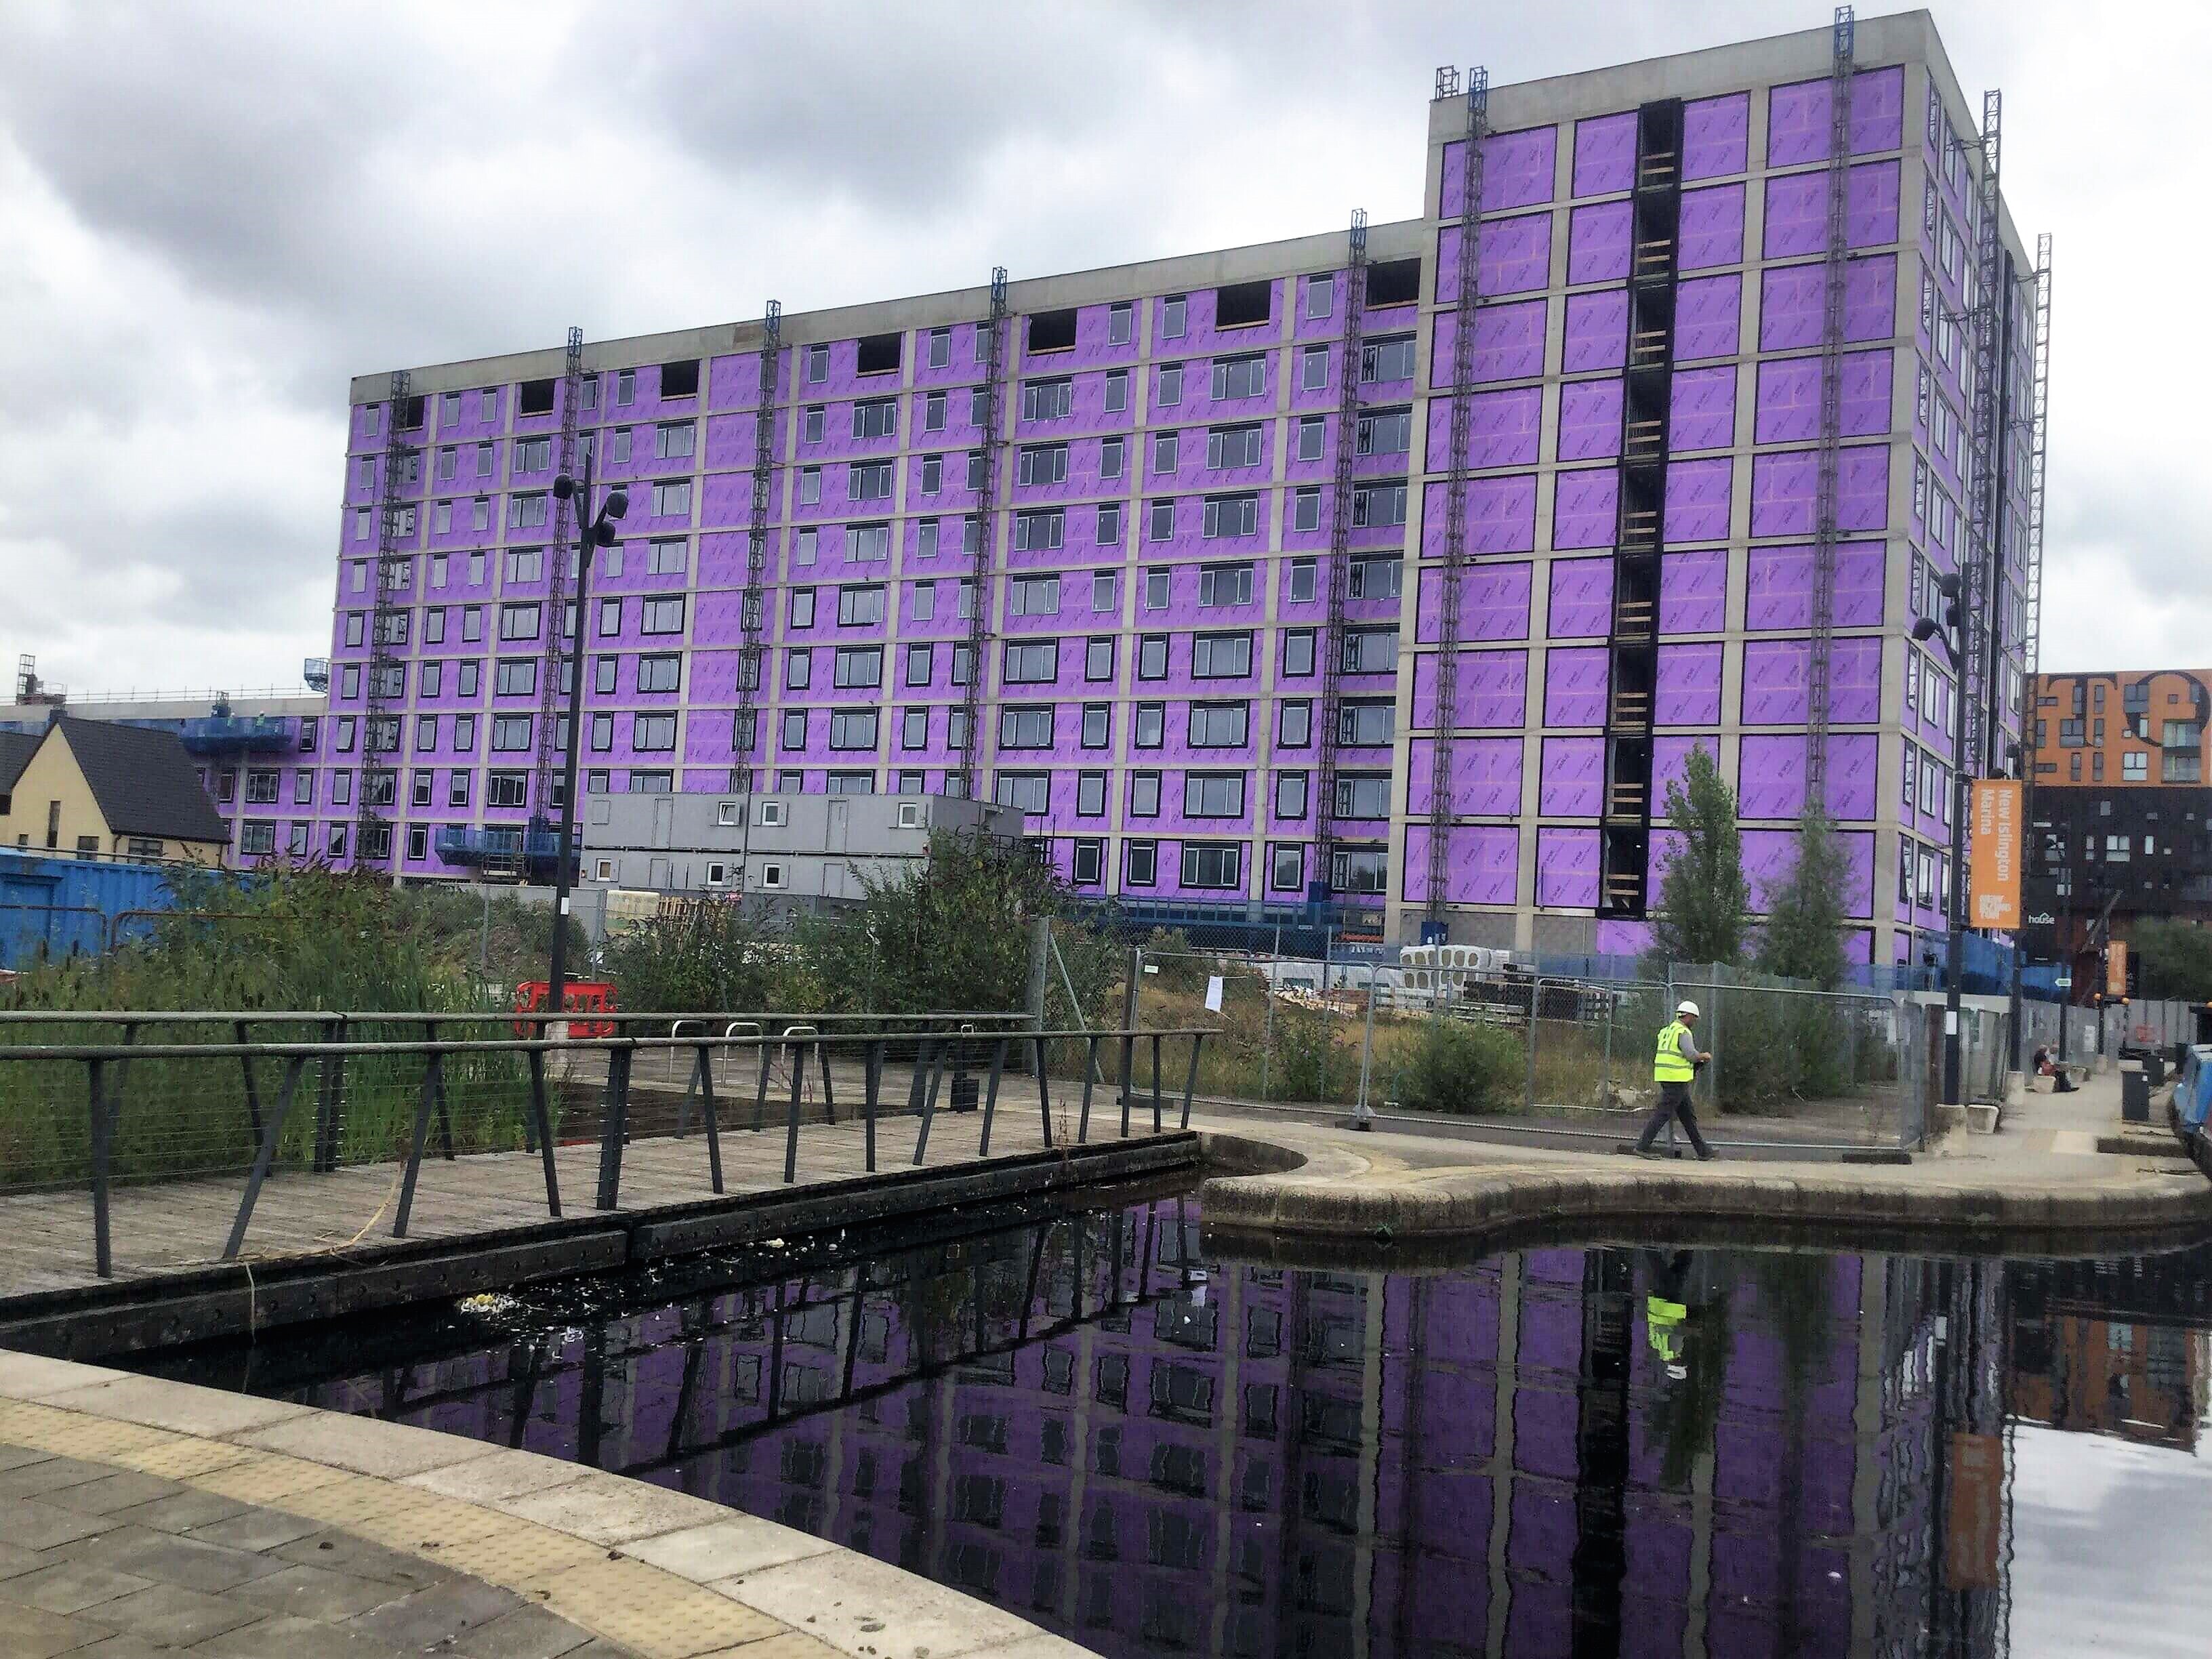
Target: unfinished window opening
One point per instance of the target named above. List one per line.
(1243, 305)
(1052, 330)
(879, 354)
(1643, 498)
(534, 398)
(1394, 282)
(1644, 415)
(680, 379)
(411, 414)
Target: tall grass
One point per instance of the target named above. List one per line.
(290, 942)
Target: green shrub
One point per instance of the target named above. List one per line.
(1459, 1068)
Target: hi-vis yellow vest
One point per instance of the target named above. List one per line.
(1667, 1066)
(1663, 1327)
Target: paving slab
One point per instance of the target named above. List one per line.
(310, 1534)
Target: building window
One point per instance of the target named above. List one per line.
(1149, 723)
(1098, 659)
(652, 734)
(853, 728)
(1219, 725)
(1140, 861)
(661, 617)
(1285, 867)
(1358, 870)
(860, 605)
(1211, 865)
(1213, 795)
(1294, 723)
(1297, 653)
(1228, 656)
(1152, 657)
(1313, 368)
(857, 666)
(1097, 725)
(1032, 663)
(1291, 794)
(1144, 794)
(1091, 795)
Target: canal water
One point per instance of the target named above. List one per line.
(1092, 1420)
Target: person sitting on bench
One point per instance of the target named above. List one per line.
(2061, 1082)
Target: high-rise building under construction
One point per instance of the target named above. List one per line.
(1264, 578)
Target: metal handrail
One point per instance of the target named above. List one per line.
(107, 1065)
(322, 1015)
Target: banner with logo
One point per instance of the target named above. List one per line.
(1994, 858)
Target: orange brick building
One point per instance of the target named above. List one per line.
(2145, 729)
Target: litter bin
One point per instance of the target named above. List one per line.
(2155, 1067)
(2134, 1091)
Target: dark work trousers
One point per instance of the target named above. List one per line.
(1675, 1103)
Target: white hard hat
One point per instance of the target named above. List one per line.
(1689, 1008)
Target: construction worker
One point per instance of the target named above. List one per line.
(1667, 1310)
(1673, 1068)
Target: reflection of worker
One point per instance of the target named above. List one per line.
(1667, 1312)
(1673, 1068)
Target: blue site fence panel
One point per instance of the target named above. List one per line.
(53, 906)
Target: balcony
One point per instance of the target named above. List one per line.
(236, 734)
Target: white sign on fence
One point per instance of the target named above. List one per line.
(1213, 993)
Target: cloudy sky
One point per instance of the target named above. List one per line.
(214, 213)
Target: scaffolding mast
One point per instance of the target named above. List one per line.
(980, 584)
(1466, 298)
(1826, 529)
(1983, 486)
(2038, 435)
(1340, 553)
(752, 665)
(559, 644)
(387, 666)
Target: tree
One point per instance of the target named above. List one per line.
(1804, 935)
(2176, 956)
(1704, 903)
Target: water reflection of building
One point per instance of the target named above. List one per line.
(2098, 1349)
(1089, 1426)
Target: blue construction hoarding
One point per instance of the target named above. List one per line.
(52, 906)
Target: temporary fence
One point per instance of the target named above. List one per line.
(119, 1109)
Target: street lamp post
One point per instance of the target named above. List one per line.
(592, 534)
(1950, 633)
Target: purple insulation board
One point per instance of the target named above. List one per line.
(1702, 410)
(1566, 867)
(1708, 316)
(1697, 494)
(1509, 342)
(1798, 117)
(1779, 587)
(1493, 603)
(1774, 681)
(1605, 153)
(1493, 689)
(1693, 591)
(1627, 938)
(1711, 227)
(1485, 777)
(1598, 238)
(1771, 772)
(1669, 757)
(1596, 333)
(1589, 420)
(1715, 135)
(1573, 784)
(1797, 211)
(1791, 303)
(1689, 685)
(1574, 681)
(1788, 409)
(1503, 430)
(1585, 506)
(1785, 490)
(1582, 598)
(1501, 515)
(1481, 863)
(1516, 170)
(1516, 256)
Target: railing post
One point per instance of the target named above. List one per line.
(265, 1159)
(1528, 1089)
(760, 1099)
(873, 1064)
(929, 1102)
(1190, 1082)
(614, 1132)
(445, 1108)
(1044, 1094)
(542, 1123)
(1089, 1078)
(705, 1075)
(432, 1078)
(991, 1097)
(96, 1120)
(252, 1095)
(791, 1122)
(829, 1093)
(1157, 1103)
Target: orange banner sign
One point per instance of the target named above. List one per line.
(1975, 1534)
(1995, 855)
(2116, 970)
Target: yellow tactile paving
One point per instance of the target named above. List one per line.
(659, 1614)
(184, 1460)
(521, 1550)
